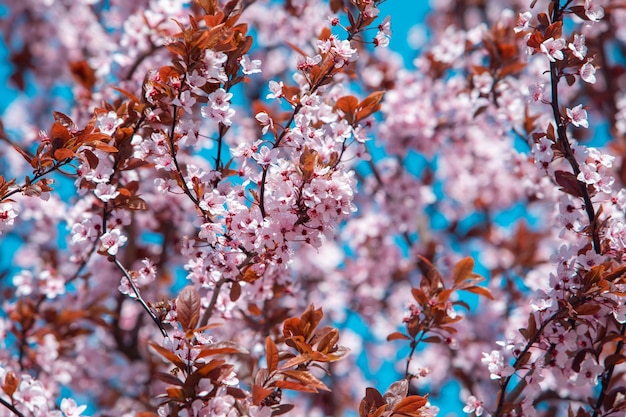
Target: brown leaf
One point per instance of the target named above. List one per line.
(410, 406)
(568, 182)
(372, 401)
(259, 393)
(348, 105)
(83, 73)
(235, 291)
(294, 386)
(587, 309)
(221, 348)
(463, 270)
(485, 292)
(168, 378)
(170, 356)
(295, 361)
(63, 154)
(11, 382)
(104, 147)
(271, 354)
(396, 393)
(432, 279)
(188, 308)
(25, 155)
(397, 336)
(306, 378)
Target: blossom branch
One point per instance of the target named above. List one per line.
(11, 408)
(138, 297)
(608, 374)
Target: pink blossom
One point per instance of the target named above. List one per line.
(523, 22)
(594, 10)
(343, 52)
(250, 66)
(619, 312)
(31, 394)
(71, 409)
(276, 90)
(24, 283)
(495, 364)
(578, 116)
(578, 47)
(473, 405)
(8, 214)
(108, 122)
(185, 100)
(553, 48)
(112, 240)
(106, 192)
(588, 72)
(266, 156)
(265, 121)
(589, 372)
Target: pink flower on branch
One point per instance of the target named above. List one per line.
(578, 116)
(112, 240)
(553, 48)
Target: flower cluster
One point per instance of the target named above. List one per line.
(223, 167)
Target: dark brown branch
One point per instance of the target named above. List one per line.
(138, 297)
(11, 408)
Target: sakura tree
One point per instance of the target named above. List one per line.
(256, 208)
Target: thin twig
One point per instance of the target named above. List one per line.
(206, 316)
(138, 296)
(11, 408)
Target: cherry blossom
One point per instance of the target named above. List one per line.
(578, 116)
(552, 48)
(473, 405)
(588, 72)
(112, 240)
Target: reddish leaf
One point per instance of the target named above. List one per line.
(294, 386)
(63, 119)
(372, 401)
(462, 270)
(336, 5)
(209, 367)
(104, 147)
(175, 393)
(25, 155)
(485, 292)
(348, 105)
(397, 336)
(170, 356)
(11, 383)
(271, 354)
(306, 378)
(259, 393)
(168, 378)
(431, 277)
(281, 409)
(587, 309)
(235, 291)
(410, 406)
(221, 348)
(63, 154)
(568, 183)
(188, 308)
(396, 393)
(59, 134)
(295, 361)
(614, 359)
